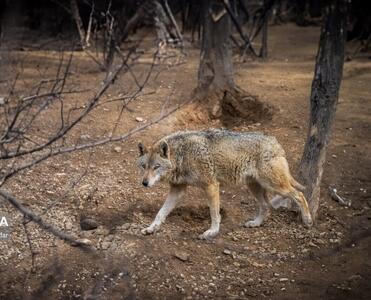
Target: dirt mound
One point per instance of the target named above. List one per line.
(239, 105)
(229, 107)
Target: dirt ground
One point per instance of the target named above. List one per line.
(280, 260)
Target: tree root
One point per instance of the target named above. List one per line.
(233, 106)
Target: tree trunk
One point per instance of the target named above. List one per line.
(173, 21)
(264, 47)
(117, 30)
(78, 21)
(323, 100)
(216, 88)
(216, 67)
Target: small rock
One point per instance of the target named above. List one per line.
(2, 101)
(312, 244)
(355, 277)
(125, 226)
(83, 241)
(68, 225)
(255, 264)
(88, 224)
(102, 231)
(117, 149)
(227, 252)
(109, 238)
(139, 119)
(283, 279)
(181, 256)
(105, 245)
(85, 137)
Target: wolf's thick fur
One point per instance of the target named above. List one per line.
(209, 158)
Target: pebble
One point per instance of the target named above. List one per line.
(181, 256)
(125, 226)
(227, 252)
(88, 224)
(68, 225)
(105, 245)
(85, 137)
(355, 277)
(312, 244)
(117, 149)
(139, 119)
(102, 231)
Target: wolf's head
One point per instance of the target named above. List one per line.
(154, 162)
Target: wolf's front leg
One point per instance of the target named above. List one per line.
(212, 191)
(175, 195)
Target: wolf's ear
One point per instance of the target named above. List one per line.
(142, 149)
(164, 150)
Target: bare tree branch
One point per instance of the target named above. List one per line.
(84, 244)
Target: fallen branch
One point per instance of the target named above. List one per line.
(83, 243)
(334, 195)
(32, 251)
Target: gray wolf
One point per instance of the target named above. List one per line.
(212, 157)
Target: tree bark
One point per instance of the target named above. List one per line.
(216, 66)
(323, 100)
(264, 48)
(216, 87)
(173, 21)
(80, 27)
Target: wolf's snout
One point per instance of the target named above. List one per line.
(145, 182)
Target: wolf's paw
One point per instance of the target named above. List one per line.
(253, 223)
(307, 221)
(149, 230)
(208, 234)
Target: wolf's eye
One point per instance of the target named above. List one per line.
(143, 165)
(156, 167)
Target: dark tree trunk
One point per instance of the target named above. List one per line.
(215, 72)
(216, 67)
(216, 87)
(79, 25)
(323, 100)
(264, 47)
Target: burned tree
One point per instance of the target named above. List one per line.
(216, 86)
(324, 98)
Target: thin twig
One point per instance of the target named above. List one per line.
(78, 147)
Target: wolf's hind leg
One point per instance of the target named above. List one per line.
(276, 177)
(261, 195)
(173, 198)
(212, 192)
